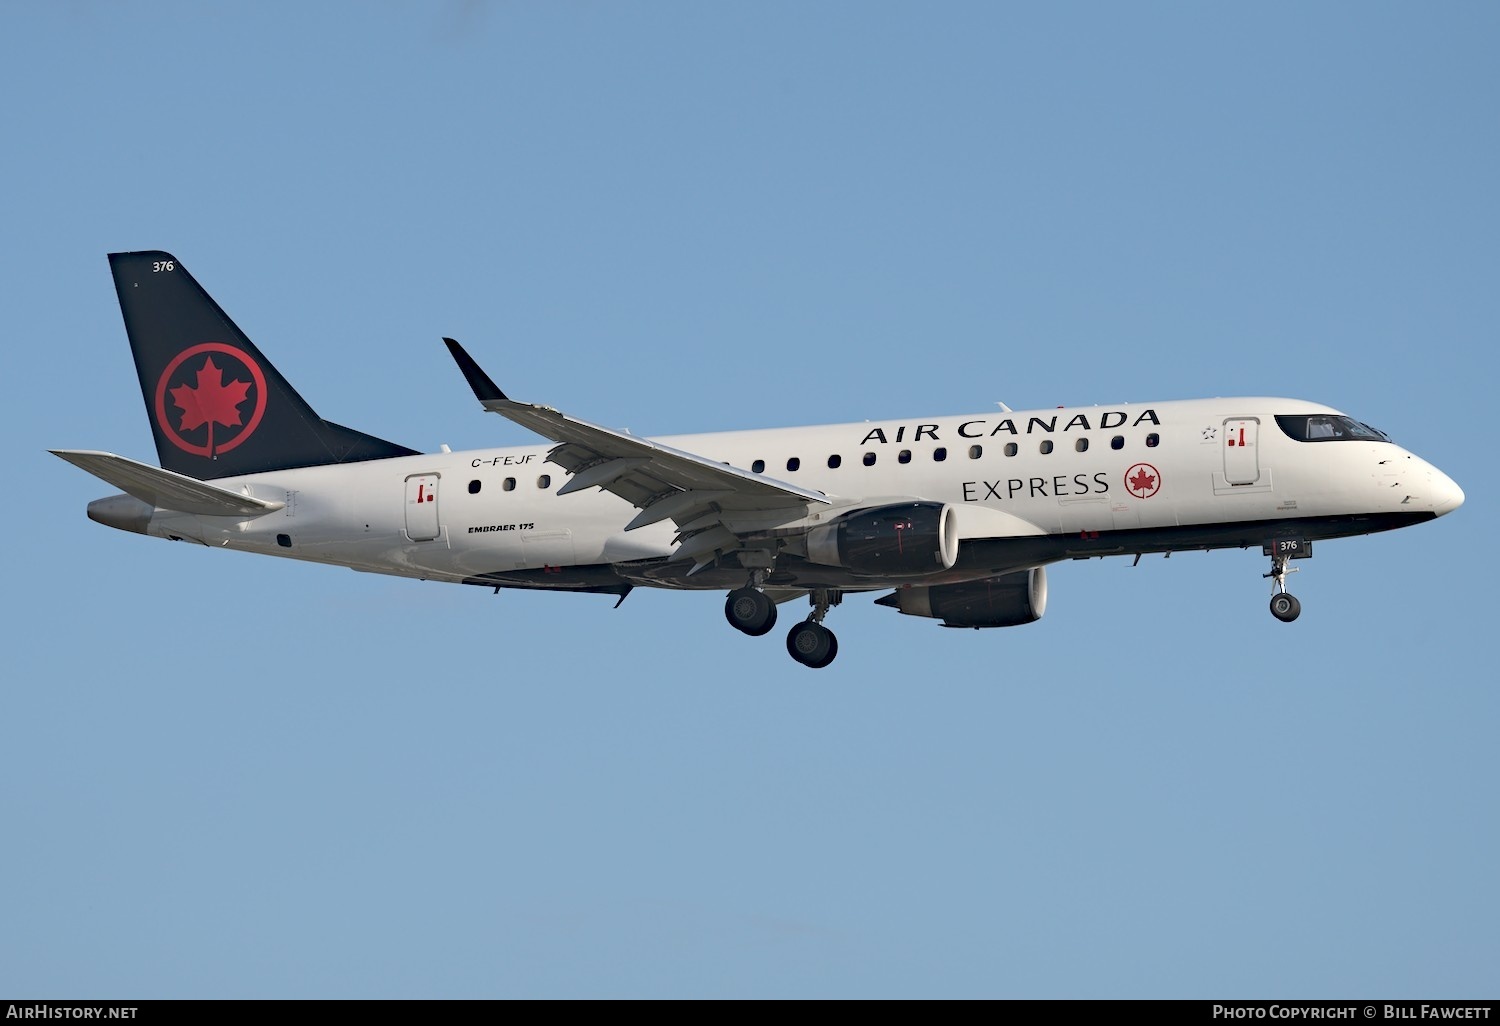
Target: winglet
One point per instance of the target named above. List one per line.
(484, 389)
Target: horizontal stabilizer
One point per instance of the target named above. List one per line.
(164, 489)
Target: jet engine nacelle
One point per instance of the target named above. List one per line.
(1006, 601)
(906, 539)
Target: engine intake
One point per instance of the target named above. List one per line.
(1005, 601)
(907, 539)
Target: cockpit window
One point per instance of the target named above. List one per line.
(1328, 427)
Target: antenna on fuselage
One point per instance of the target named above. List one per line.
(1004, 408)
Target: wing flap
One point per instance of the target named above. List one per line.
(165, 489)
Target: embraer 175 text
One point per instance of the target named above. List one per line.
(955, 517)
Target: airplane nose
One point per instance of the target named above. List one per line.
(1447, 496)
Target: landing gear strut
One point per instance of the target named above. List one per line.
(1284, 605)
(810, 643)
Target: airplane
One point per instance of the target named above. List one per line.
(955, 518)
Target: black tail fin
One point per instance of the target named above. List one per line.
(217, 406)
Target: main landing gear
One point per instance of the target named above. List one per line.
(810, 643)
(750, 611)
(1284, 605)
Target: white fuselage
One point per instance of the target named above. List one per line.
(1123, 472)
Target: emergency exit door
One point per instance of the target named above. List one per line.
(422, 507)
(1241, 453)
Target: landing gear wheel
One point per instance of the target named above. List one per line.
(750, 611)
(1285, 607)
(812, 644)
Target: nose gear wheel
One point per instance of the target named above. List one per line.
(1284, 605)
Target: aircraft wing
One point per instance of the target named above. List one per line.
(697, 493)
(166, 489)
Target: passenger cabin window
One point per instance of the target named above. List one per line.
(1046, 446)
(545, 481)
(939, 454)
(904, 456)
(1011, 448)
(976, 451)
(758, 467)
(869, 459)
(474, 487)
(510, 484)
(1082, 445)
(1153, 440)
(834, 462)
(1117, 442)
(1327, 427)
(793, 463)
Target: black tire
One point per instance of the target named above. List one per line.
(833, 650)
(1285, 607)
(812, 644)
(750, 611)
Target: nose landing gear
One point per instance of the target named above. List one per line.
(1284, 606)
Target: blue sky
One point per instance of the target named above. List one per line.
(224, 776)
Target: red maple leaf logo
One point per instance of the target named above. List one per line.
(1142, 482)
(211, 402)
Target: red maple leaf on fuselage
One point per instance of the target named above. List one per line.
(212, 401)
(1142, 482)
